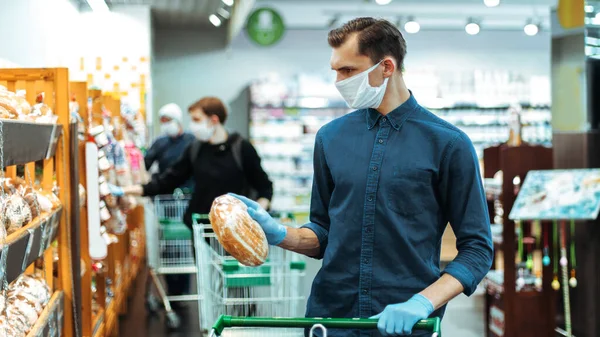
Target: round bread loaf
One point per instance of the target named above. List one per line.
(238, 233)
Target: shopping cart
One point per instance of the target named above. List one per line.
(170, 252)
(226, 287)
(250, 326)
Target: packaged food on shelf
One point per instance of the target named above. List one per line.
(22, 102)
(82, 193)
(25, 300)
(51, 196)
(9, 105)
(15, 106)
(15, 213)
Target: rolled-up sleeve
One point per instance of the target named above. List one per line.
(465, 206)
(321, 196)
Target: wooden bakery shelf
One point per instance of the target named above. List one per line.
(25, 144)
(119, 266)
(51, 318)
(29, 243)
(29, 142)
(98, 325)
(112, 319)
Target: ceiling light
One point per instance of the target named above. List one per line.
(224, 13)
(228, 2)
(491, 3)
(411, 26)
(472, 28)
(215, 20)
(531, 28)
(383, 2)
(98, 5)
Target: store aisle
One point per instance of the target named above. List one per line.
(138, 324)
(464, 318)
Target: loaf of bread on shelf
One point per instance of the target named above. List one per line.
(22, 102)
(9, 102)
(238, 233)
(38, 203)
(24, 302)
(16, 213)
(54, 200)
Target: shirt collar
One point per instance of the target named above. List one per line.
(396, 116)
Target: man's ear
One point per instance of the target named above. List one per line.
(389, 67)
(215, 119)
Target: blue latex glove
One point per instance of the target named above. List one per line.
(116, 190)
(274, 231)
(399, 319)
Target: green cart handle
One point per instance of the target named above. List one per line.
(197, 217)
(432, 324)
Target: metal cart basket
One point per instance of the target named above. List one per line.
(251, 326)
(228, 288)
(170, 252)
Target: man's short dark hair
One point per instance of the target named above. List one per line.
(377, 38)
(211, 106)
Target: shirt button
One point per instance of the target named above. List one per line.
(381, 141)
(365, 261)
(365, 291)
(370, 198)
(368, 230)
(385, 119)
(374, 168)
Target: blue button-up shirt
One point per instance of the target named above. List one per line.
(384, 189)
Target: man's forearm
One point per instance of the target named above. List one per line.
(302, 241)
(443, 290)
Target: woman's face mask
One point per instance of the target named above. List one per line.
(202, 130)
(358, 93)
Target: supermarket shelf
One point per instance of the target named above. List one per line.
(111, 317)
(29, 142)
(50, 321)
(25, 246)
(98, 324)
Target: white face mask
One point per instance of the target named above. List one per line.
(358, 93)
(170, 129)
(202, 130)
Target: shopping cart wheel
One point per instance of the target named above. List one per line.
(173, 321)
(152, 304)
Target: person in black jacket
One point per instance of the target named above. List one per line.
(218, 162)
(214, 166)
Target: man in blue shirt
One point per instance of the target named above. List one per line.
(388, 178)
(167, 149)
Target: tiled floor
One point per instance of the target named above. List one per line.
(464, 318)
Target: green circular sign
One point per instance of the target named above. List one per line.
(265, 26)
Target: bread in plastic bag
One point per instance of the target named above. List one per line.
(16, 213)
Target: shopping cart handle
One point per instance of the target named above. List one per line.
(432, 325)
(197, 217)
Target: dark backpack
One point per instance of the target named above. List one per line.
(236, 149)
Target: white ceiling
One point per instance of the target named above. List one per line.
(173, 13)
(431, 14)
(318, 14)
